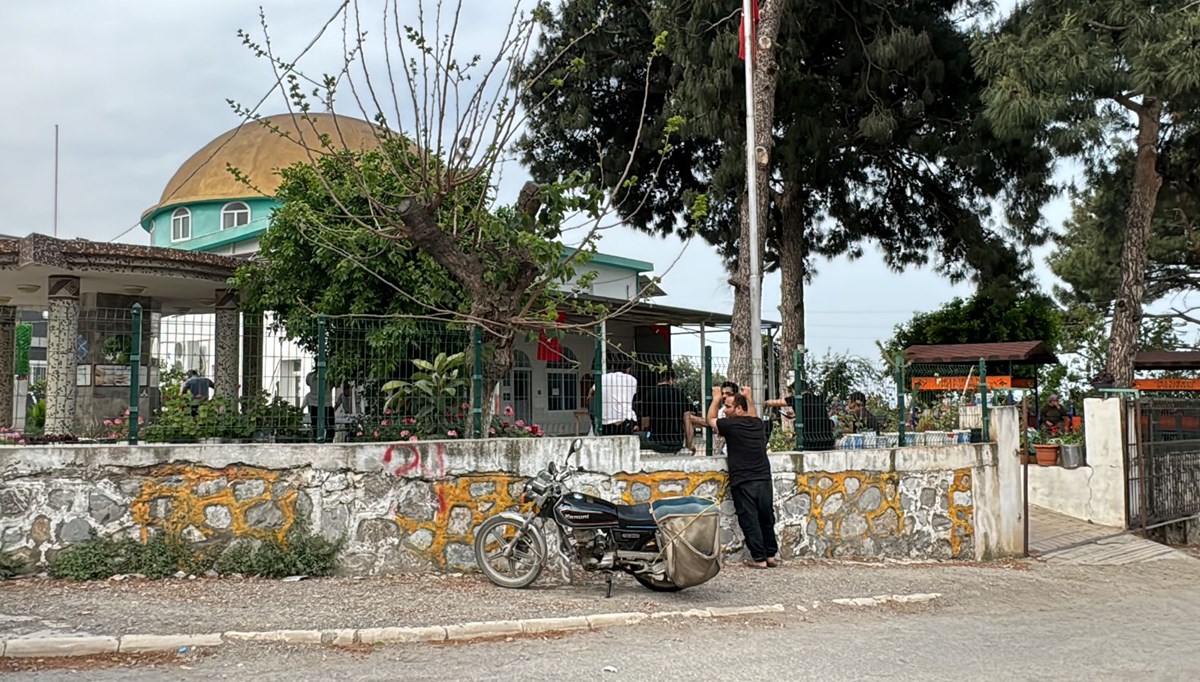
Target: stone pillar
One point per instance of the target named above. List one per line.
(8, 349)
(62, 330)
(228, 321)
(252, 354)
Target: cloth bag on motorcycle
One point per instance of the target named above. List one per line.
(689, 535)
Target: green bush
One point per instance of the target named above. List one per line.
(304, 553)
(11, 565)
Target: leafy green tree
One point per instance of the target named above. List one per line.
(445, 119)
(877, 139)
(1077, 77)
(1032, 317)
(315, 259)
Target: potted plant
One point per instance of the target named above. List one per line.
(1045, 450)
(1071, 446)
(117, 348)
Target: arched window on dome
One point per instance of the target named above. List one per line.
(181, 225)
(235, 214)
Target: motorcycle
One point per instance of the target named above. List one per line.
(665, 545)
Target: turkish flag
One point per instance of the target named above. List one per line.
(742, 31)
(549, 347)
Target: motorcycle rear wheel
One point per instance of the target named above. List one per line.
(526, 552)
(650, 582)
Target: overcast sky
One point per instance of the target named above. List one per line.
(137, 86)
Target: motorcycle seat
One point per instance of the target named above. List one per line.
(635, 515)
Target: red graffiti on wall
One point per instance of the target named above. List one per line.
(410, 462)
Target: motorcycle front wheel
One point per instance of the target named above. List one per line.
(509, 555)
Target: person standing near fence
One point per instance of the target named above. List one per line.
(618, 387)
(197, 386)
(749, 468)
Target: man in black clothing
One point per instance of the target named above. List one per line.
(666, 419)
(749, 475)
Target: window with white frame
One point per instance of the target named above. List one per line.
(562, 382)
(235, 214)
(181, 225)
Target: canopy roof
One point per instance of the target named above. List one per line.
(1167, 359)
(1017, 352)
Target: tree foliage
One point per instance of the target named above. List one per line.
(1088, 252)
(1081, 77)
(445, 117)
(1032, 317)
(315, 260)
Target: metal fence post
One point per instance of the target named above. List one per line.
(135, 366)
(477, 380)
(797, 398)
(984, 413)
(900, 411)
(704, 403)
(598, 387)
(321, 359)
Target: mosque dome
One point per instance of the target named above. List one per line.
(258, 150)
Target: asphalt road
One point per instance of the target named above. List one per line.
(1135, 622)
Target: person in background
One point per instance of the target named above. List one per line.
(198, 387)
(310, 402)
(812, 414)
(666, 419)
(862, 418)
(1054, 417)
(618, 387)
(749, 468)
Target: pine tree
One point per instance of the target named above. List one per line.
(1076, 74)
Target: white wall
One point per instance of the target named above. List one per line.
(611, 282)
(998, 494)
(1095, 492)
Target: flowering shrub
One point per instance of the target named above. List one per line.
(114, 429)
(392, 427)
(10, 437)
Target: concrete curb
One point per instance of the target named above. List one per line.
(46, 647)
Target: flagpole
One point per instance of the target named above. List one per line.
(56, 181)
(756, 377)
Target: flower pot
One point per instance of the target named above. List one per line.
(1047, 455)
(1072, 456)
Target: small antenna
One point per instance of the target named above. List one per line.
(56, 181)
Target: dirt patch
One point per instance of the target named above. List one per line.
(150, 659)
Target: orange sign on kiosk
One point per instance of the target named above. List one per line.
(1167, 384)
(968, 383)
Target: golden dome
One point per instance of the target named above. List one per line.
(258, 150)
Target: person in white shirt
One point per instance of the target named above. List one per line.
(617, 390)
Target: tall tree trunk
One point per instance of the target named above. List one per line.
(792, 240)
(1127, 308)
(765, 72)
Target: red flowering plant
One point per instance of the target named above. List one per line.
(115, 429)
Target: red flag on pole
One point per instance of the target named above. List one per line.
(549, 348)
(742, 30)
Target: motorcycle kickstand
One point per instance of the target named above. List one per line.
(608, 579)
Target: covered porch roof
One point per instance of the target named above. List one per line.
(1167, 359)
(650, 314)
(1016, 352)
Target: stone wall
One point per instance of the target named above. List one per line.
(414, 507)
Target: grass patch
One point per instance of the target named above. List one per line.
(303, 553)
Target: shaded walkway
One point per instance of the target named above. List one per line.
(1064, 539)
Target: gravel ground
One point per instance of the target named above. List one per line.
(40, 606)
(1119, 623)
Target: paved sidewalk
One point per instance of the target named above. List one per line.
(1064, 539)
